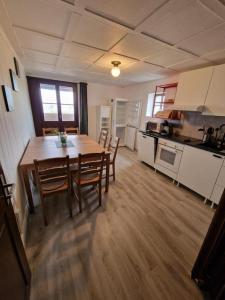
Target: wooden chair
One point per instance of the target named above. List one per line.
(50, 131)
(53, 176)
(89, 173)
(103, 137)
(72, 130)
(113, 150)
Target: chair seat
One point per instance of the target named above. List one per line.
(88, 179)
(54, 187)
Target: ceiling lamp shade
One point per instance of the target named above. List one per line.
(115, 71)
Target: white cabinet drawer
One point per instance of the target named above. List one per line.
(171, 144)
(217, 194)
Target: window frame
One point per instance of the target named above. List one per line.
(60, 123)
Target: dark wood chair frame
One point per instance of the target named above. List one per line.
(55, 171)
(88, 165)
(103, 137)
(113, 160)
(72, 130)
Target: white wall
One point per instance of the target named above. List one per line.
(16, 127)
(99, 94)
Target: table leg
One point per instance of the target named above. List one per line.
(107, 173)
(26, 182)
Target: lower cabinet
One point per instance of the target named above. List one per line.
(146, 149)
(219, 186)
(199, 170)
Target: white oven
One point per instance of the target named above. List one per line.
(168, 157)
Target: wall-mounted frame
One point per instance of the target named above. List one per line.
(17, 67)
(13, 78)
(8, 97)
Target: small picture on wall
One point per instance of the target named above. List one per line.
(13, 80)
(8, 97)
(17, 68)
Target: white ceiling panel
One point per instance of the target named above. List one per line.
(33, 67)
(145, 69)
(217, 56)
(81, 53)
(40, 57)
(205, 42)
(106, 60)
(67, 63)
(38, 15)
(92, 32)
(35, 41)
(218, 6)
(191, 64)
(104, 65)
(138, 46)
(168, 57)
(180, 19)
(129, 12)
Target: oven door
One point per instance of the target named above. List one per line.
(168, 158)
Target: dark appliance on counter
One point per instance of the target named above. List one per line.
(152, 126)
(167, 129)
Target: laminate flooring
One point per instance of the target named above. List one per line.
(141, 244)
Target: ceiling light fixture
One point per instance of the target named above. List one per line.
(115, 71)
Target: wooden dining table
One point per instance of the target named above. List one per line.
(49, 147)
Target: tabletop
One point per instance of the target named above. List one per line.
(46, 147)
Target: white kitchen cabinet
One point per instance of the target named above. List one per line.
(199, 170)
(215, 101)
(219, 187)
(192, 89)
(146, 149)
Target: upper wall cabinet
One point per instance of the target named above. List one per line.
(215, 100)
(192, 89)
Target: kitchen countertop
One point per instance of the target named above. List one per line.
(186, 141)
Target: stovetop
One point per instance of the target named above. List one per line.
(188, 141)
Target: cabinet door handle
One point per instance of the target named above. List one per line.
(217, 156)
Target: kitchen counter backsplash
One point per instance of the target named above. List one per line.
(192, 121)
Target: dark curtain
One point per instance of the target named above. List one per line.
(36, 105)
(83, 105)
(209, 268)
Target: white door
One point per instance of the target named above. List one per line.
(215, 100)
(199, 170)
(130, 137)
(192, 89)
(146, 149)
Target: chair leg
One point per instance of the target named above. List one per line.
(43, 211)
(100, 192)
(79, 198)
(69, 202)
(114, 171)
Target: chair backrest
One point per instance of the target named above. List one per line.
(103, 137)
(50, 131)
(52, 170)
(72, 130)
(113, 148)
(90, 164)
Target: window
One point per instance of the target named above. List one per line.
(159, 103)
(150, 105)
(49, 102)
(57, 102)
(66, 103)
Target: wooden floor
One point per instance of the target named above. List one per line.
(141, 244)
